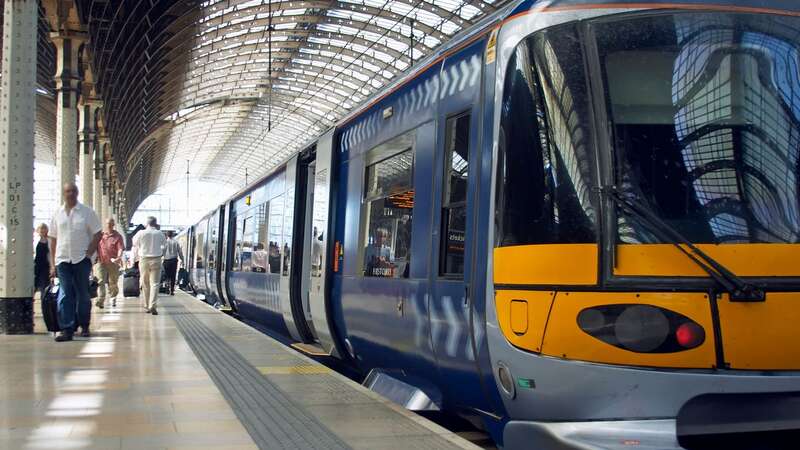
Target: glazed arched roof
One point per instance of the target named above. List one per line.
(213, 83)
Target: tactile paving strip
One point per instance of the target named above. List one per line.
(273, 420)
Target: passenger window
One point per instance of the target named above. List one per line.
(275, 233)
(237, 248)
(546, 165)
(260, 255)
(199, 242)
(212, 246)
(247, 243)
(388, 206)
(288, 222)
(454, 209)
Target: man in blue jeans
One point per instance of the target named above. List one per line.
(75, 231)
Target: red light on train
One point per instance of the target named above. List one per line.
(690, 335)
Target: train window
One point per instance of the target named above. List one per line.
(247, 243)
(706, 117)
(259, 259)
(199, 241)
(288, 222)
(387, 212)
(275, 230)
(319, 222)
(212, 245)
(546, 168)
(237, 247)
(454, 210)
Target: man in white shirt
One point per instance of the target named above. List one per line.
(149, 243)
(172, 253)
(75, 231)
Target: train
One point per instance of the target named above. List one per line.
(576, 225)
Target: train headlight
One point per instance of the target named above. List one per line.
(506, 380)
(641, 328)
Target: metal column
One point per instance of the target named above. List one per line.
(67, 84)
(99, 172)
(17, 112)
(86, 137)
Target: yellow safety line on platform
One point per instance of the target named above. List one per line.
(295, 370)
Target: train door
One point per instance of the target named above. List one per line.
(453, 331)
(212, 254)
(293, 305)
(222, 260)
(315, 280)
(199, 255)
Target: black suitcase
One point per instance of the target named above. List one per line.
(183, 279)
(50, 308)
(163, 288)
(130, 283)
(93, 286)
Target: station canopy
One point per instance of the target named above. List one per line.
(237, 86)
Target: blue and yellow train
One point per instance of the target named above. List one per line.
(576, 225)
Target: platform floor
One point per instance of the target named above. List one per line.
(175, 381)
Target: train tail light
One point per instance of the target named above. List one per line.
(641, 328)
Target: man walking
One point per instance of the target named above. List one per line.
(172, 252)
(149, 243)
(109, 255)
(75, 233)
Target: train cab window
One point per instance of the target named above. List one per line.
(387, 210)
(706, 117)
(546, 166)
(454, 209)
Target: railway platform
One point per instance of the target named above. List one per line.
(191, 377)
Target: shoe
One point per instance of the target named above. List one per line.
(114, 303)
(154, 312)
(99, 304)
(64, 336)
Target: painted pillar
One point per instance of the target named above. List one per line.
(86, 144)
(67, 84)
(17, 112)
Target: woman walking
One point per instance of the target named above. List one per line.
(41, 261)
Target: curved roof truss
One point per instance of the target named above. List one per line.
(234, 84)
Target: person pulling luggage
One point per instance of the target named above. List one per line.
(172, 252)
(75, 232)
(109, 256)
(149, 243)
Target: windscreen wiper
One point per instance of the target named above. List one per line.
(738, 289)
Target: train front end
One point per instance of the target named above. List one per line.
(645, 272)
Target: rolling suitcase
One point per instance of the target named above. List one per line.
(163, 288)
(183, 279)
(130, 283)
(50, 308)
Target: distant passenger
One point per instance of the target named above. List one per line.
(109, 257)
(41, 260)
(75, 231)
(172, 252)
(149, 243)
